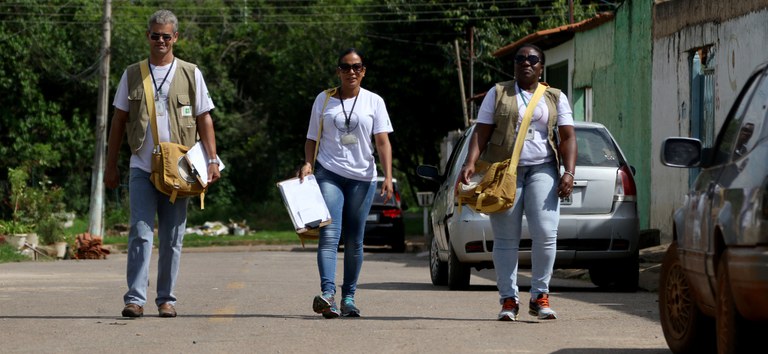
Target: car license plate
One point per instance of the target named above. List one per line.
(566, 200)
(372, 217)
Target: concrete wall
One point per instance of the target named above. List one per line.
(615, 61)
(739, 43)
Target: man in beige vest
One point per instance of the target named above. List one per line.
(183, 107)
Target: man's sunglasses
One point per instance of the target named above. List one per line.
(532, 59)
(356, 67)
(156, 36)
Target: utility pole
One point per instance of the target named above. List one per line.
(461, 84)
(96, 212)
(472, 72)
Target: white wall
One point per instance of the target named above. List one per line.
(563, 52)
(740, 44)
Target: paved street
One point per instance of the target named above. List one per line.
(258, 299)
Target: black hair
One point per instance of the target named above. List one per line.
(536, 48)
(348, 51)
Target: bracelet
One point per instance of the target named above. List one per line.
(569, 173)
(213, 161)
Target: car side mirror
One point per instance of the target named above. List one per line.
(681, 152)
(429, 173)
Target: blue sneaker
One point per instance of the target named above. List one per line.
(348, 308)
(325, 305)
(509, 310)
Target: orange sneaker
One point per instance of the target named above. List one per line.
(509, 309)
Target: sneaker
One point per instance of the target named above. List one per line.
(325, 305)
(540, 308)
(348, 308)
(509, 309)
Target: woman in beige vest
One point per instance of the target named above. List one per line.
(539, 184)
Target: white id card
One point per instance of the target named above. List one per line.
(529, 135)
(348, 139)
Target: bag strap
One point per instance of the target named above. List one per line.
(328, 94)
(145, 77)
(524, 127)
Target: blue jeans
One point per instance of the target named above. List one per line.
(349, 202)
(537, 197)
(145, 202)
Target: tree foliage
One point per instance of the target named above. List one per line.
(264, 62)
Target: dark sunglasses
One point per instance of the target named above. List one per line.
(356, 67)
(156, 36)
(532, 59)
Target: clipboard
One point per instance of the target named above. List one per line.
(198, 159)
(305, 203)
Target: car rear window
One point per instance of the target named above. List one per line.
(596, 148)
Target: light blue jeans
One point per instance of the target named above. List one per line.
(146, 201)
(349, 202)
(537, 197)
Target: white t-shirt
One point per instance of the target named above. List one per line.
(536, 150)
(143, 159)
(347, 149)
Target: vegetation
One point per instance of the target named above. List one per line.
(264, 62)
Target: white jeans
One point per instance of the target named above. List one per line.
(537, 197)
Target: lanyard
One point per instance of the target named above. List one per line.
(347, 118)
(159, 90)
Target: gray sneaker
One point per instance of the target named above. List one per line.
(325, 305)
(509, 310)
(348, 308)
(540, 308)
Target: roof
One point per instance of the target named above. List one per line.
(553, 37)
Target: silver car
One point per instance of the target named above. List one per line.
(713, 287)
(599, 225)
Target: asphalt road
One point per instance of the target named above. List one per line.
(258, 299)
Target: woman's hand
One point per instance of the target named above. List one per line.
(466, 173)
(387, 189)
(303, 171)
(565, 188)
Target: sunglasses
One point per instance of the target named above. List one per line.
(532, 59)
(356, 67)
(156, 36)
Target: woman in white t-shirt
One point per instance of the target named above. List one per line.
(539, 183)
(346, 172)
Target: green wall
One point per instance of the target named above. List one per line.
(615, 60)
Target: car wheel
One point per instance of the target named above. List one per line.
(732, 329)
(438, 270)
(622, 275)
(686, 329)
(458, 273)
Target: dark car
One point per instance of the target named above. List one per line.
(384, 225)
(599, 224)
(713, 289)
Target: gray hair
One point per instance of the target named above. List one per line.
(163, 17)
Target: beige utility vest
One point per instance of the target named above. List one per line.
(181, 94)
(505, 117)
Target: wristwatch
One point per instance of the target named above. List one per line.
(212, 161)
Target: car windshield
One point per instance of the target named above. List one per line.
(596, 148)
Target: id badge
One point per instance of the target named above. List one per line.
(186, 111)
(529, 134)
(160, 107)
(348, 139)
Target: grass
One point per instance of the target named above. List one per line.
(279, 233)
(8, 253)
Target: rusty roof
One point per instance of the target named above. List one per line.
(552, 37)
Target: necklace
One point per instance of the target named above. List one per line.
(159, 90)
